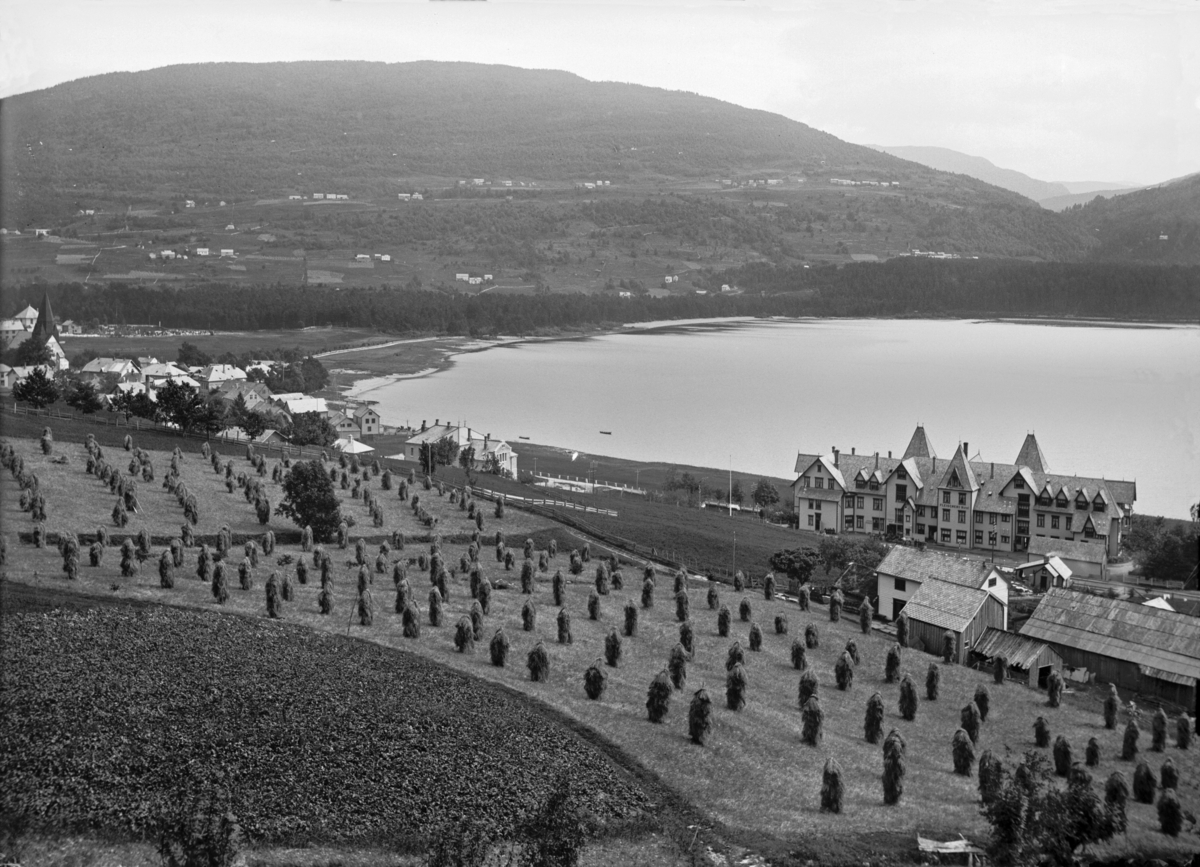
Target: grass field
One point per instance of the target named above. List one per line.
(754, 779)
(166, 347)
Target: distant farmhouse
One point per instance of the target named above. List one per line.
(965, 504)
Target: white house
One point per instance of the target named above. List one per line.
(904, 569)
(227, 253)
(217, 375)
(462, 276)
(202, 251)
(485, 447)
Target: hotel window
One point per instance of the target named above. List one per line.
(979, 537)
(1081, 505)
(859, 522)
(849, 522)
(1018, 482)
(1066, 522)
(875, 522)
(874, 486)
(812, 504)
(946, 537)
(920, 529)
(899, 516)
(1061, 502)
(962, 499)
(804, 482)
(860, 484)
(946, 497)
(979, 517)
(961, 537)
(962, 516)
(1004, 540)
(1006, 519)
(877, 504)
(1054, 522)
(992, 520)
(850, 501)
(920, 511)
(992, 581)
(901, 493)
(810, 520)
(901, 473)
(818, 482)
(901, 585)
(946, 515)
(861, 502)
(1097, 505)
(1041, 520)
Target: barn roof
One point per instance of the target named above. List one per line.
(905, 562)
(1165, 641)
(1020, 651)
(945, 605)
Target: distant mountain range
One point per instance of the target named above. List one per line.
(1054, 195)
(141, 143)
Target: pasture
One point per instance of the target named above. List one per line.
(754, 778)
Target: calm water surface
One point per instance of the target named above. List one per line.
(1114, 402)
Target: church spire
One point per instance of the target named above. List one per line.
(45, 327)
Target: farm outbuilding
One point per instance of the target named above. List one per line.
(1029, 662)
(967, 612)
(1137, 647)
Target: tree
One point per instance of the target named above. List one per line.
(310, 501)
(796, 563)
(37, 389)
(190, 355)
(736, 494)
(764, 494)
(82, 395)
(312, 428)
(1033, 820)
(181, 405)
(30, 353)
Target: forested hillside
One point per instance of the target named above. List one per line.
(911, 287)
(1159, 224)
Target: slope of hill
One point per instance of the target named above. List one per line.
(1061, 203)
(1158, 224)
(947, 160)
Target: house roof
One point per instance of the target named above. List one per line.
(28, 313)
(351, 446)
(165, 369)
(919, 446)
(1166, 641)
(363, 411)
(945, 605)
(1019, 650)
(221, 373)
(911, 564)
(1031, 455)
(959, 467)
(307, 404)
(432, 434)
(1068, 549)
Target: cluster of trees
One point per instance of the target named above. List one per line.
(832, 554)
(1165, 550)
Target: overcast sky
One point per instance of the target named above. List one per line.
(1058, 89)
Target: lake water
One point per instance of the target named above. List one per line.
(1117, 402)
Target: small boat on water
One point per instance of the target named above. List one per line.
(607, 433)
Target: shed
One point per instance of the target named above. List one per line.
(1029, 661)
(1137, 647)
(967, 612)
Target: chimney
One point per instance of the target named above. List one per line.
(487, 438)
(437, 422)
(966, 450)
(889, 454)
(852, 449)
(835, 456)
(876, 460)
(992, 472)
(422, 425)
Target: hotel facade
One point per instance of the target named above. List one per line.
(959, 503)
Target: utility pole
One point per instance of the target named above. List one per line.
(730, 497)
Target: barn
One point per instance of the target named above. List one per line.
(1138, 647)
(1029, 662)
(967, 612)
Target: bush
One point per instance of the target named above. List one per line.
(476, 612)
(1144, 784)
(812, 720)
(963, 752)
(1041, 732)
(999, 670)
(852, 649)
(755, 639)
(723, 618)
(744, 610)
(970, 719)
(802, 598)
(891, 667)
(631, 619)
(865, 615)
(1129, 745)
(844, 671)
(366, 608)
(612, 649)
(595, 681)
(658, 697)
(1112, 705)
(700, 717)
(682, 606)
(1092, 753)
(559, 587)
(808, 687)
(564, 627)
(1055, 689)
(769, 586)
(1158, 731)
(464, 635)
(538, 663)
(527, 577)
(1062, 756)
(166, 575)
(593, 606)
(735, 688)
(714, 599)
(484, 597)
(991, 776)
(739, 581)
(648, 593)
(435, 607)
(1170, 813)
(836, 601)
(687, 637)
(908, 698)
(982, 701)
(1183, 731)
(949, 641)
(902, 629)
(736, 656)
(601, 579)
(677, 666)
(617, 579)
(933, 678)
(812, 637)
(1169, 775)
(873, 720)
(1116, 791)
(273, 595)
(799, 660)
(781, 624)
